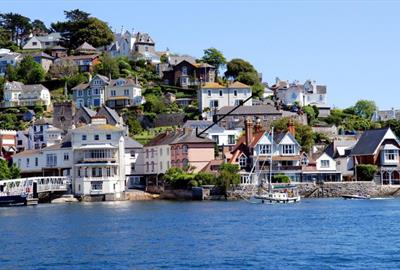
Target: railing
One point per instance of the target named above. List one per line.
(24, 186)
(279, 168)
(87, 159)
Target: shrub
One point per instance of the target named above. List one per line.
(366, 172)
(280, 178)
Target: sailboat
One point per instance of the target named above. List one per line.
(275, 193)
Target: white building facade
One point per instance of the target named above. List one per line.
(17, 94)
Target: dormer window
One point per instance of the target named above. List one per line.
(242, 161)
(264, 149)
(184, 70)
(391, 155)
(288, 149)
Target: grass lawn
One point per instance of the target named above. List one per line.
(149, 134)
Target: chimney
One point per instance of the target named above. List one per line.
(248, 130)
(258, 125)
(90, 77)
(291, 127)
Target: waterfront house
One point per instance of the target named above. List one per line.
(379, 147)
(99, 160)
(189, 150)
(42, 42)
(256, 148)
(18, 94)
(134, 163)
(339, 149)
(214, 96)
(7, 57)
(320, 167)
(8, 143)
(55, 160)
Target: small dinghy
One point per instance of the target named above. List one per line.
(356, 197)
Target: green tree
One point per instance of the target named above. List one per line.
(11, 73)
(63, 69)
(39, 28)
(80, 27)
(8, 121)
(154, 104)
(228, 176)
(29, 71)
(336, 117)
(304, 133)
(237, 66)
(4, 170)
(365, 108)
(14, 172)
(215, 58)
(134, 126)
(205, 179)
(164, 58)
(17, 25)
(108, 66)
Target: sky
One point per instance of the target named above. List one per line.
(353, 47)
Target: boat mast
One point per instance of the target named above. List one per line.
(270, 160)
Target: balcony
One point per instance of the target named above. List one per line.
(99, 155)
(280, 168)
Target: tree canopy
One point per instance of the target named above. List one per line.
(8, 172)
(365, 108)
(215, 58)
(80, 27)
(16, 25)
(29, 71)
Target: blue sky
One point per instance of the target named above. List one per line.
(351, 46)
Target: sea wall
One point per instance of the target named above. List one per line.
(337, 189)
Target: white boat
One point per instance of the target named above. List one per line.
(356, 197)
(68, 198)
(276, 193)
(280, 194)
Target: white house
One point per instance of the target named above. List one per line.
(134, 163)
(123, 92)
(7, 57)
(42, 42)
(305, 94)
(18, 94)
(123, 44)
(214, 96)
(99, 160)
(42, 134)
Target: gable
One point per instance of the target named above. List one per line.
(325, 156)
(265, 139)
(288, 139)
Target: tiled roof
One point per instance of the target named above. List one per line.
(82, 57)
(43, 121)
(97, 127)
(238, 85)
(43, 55)
(203, 124)
(81, 86)
(212, 85)
(86, 47)
(189, 136)
(27, 153)
(131, 143)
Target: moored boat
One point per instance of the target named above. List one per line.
(355, 197)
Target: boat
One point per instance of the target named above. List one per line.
(355, 197)
(67, 198)
(280, 194)
(276, 193)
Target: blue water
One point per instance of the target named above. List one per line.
(315, 234)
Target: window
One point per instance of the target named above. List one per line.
(168, 165)
(97, 172)
(264, 149)
(391, 155)
(185, 149)
(126, 92)
(19, 142)
(34, 43)
(51, 160)
(238, 102)
(96, 91)
(167, 151)
(147, 153)
(96, 137)
(161, 165)
(324, 163)
(113, 93)
(209, 93)
(214, 103)
(66, 156)
(83, 137)
(108, 136)
(97, 185)
(133, 153)
(152, 166)
(231, 139)
(287, 149)
(80, 93)
(321, 97)
(152, 152)
(235, 93)
(220, 93)
(185, 162)
(36, 161)
(215, 138)
(160, 151)
(242, 161)
(147, 167)
(89, 92)
(184, 70)
(108, 171)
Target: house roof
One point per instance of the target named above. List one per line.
(81, 86)
(163, 138)
(203, 124)
(113, 113)
(212, 85)
(131, 143)
(43, 55)
(144, 38)
(50, 37)
(369, 141)
(127, 82)
(43, 121)
(97, 127)
(82, 57)
(176, 59)
(86, 47)
(237, 84)
(250, 110)
(59, 48)
(89, 112)
(27, 153)
(189, 136)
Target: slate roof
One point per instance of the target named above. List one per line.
(163, 138)
(144, 38)
(112, 113)
(189, 136)
(250, 110)
(128, 82)
(50, 37)
(43, 121)
(89, 112)
(203, 124)
(43, 55)
(86, 47)
(369, 142)
(131, 143)
(176, 59)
